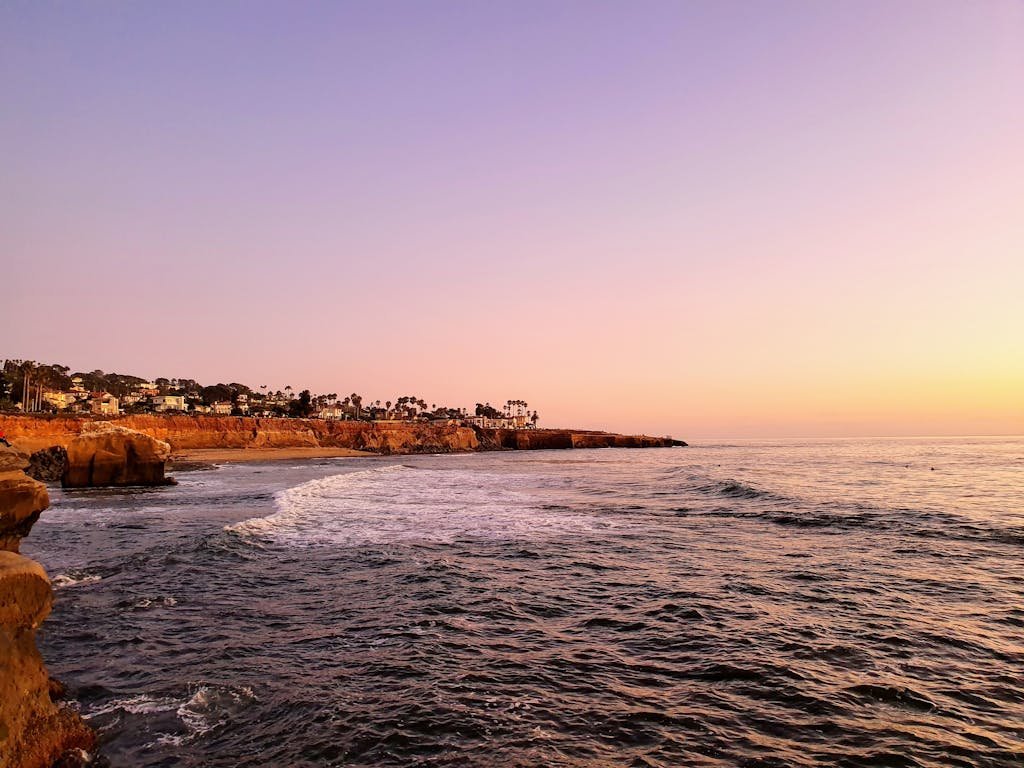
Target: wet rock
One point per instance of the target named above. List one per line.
(35, 731)
(21, 501)
(48, 465)
(111, 455)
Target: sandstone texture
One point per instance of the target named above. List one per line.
(112, 455)
(21, 499)
(35, 731)
(184, 433)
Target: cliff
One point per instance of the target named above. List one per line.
(31, 433)
(35, 731)
(112, 455)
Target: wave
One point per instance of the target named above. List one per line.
(399, 504)
(202, 709)
(733, 489)
(907, 522)
(74, 578)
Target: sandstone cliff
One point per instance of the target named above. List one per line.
(385, 437)
(35, 731)
(112, 455)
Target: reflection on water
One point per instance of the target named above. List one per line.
(760, 604)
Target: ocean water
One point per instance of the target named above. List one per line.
(791, 603)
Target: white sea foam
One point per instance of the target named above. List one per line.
(146, 602)
(142, 704)
(205, 708)
(403, 505)
(74, 579)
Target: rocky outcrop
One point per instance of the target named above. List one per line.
(554, 439)
(35, 731)
(21, 499)
(112, 455)
(48, 465)
(389, 437)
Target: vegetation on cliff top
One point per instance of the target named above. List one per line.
(24, 385)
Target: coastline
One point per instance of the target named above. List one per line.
(182, 460)
(316, 438)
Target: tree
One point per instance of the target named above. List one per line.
(302, 407)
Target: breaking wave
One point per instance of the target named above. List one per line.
(398, 504)
(174, 720)
(74, 578)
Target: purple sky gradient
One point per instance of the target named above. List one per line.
(720, 218)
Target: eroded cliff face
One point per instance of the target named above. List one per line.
(112, 455)
(35, 731)
(386, 437)
(192, 432)
(21, 499)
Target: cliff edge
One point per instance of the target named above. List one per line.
(35, 730)
(184, 432)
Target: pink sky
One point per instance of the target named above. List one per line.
(698, 219)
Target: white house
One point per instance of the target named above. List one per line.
(331, 413)
(104, 404)
(168, 403)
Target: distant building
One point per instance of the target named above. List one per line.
(331, 413)
(169, 403)
(487, 423)
(222, 408)
(59, 400)
(104, 404)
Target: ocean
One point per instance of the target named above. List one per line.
(754, 603)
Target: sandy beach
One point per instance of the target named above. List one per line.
(225, 455)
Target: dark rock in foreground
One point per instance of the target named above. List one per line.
(48, 465)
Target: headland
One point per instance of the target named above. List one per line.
(238, 438)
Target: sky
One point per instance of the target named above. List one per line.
(704, 219)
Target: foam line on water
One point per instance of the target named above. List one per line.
(398, 504)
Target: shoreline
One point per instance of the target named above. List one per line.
(191, 458)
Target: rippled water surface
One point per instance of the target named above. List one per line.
(760, 604)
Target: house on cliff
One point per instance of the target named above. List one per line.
(331, 413)
(59, 400)
(222, 408)
(168, 403)
(104, 404)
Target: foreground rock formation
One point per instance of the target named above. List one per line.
(383, 437)
(111, 455)
(35, 731)
(48, 465)
(21, 499)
